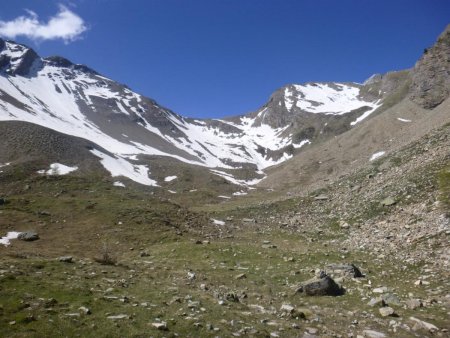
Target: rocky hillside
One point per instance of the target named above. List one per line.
(431, 74)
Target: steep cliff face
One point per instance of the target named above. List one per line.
(431, 74)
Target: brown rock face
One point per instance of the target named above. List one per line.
(431, 74)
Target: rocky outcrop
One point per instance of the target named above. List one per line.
(431, 74)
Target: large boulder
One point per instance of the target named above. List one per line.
(28, 236)
(323, 286)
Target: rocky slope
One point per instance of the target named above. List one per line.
(431, 74)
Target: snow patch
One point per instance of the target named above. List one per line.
(322, 98)
(301, 144)
(10, 235)
(170, 178)
(172, 192)
(225, 197)
(230, 178)
(239, 193)
(403, 120)
(119, 166)
(367, 113)
(119, 184)
(58, 169)
(377, 155)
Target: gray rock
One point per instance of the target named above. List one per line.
(66, 259)
(378, 301)
(240, 276)
(414, 303)
(28, 236)
(386, 311)
(321, 197)
(287, 308)
(373, 334)
(325, 286)
(388, 201)
(160, 326)
(118, 317)
(344, 270)
(391, 299)
(84, 310)
(420, 324)
(268, 246)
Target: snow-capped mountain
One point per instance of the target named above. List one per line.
(75, 100)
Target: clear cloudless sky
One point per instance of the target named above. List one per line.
(215, 58)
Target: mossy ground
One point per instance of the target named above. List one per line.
(154, 240)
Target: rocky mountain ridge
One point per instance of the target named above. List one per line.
(74, 99)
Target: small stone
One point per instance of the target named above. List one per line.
(160, 326)
(420, 324)
(66, 259)
(84, 310)
(388, 201)
(373, 334)
(312, 330)
(117, 317)
(241, 276)
(380, 290)
(414, 303)
(378, 301)
(386, 311)
(269, 246)
(287, 308)
(321, 197)
(391, 299)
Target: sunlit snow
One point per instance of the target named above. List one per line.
(58, 169)
(377, 155)
(403, 120)
(10, 235)
(119, 166)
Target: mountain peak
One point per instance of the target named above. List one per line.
(15, 58)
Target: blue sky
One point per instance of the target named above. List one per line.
(215, 58)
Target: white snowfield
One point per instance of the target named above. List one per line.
(58, 169)
(119, 166)
(6, 240)
(323, 98)
(59, 98)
